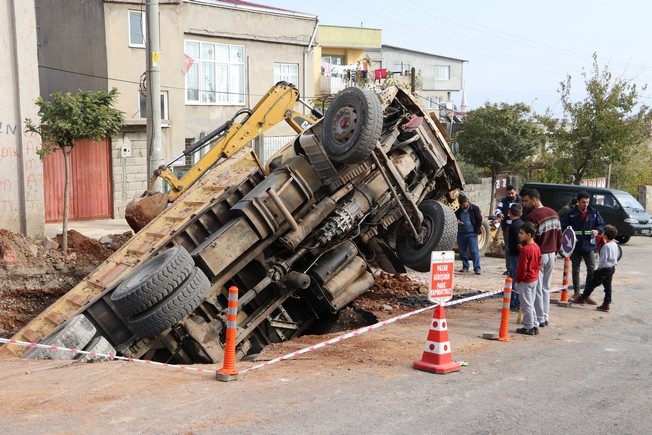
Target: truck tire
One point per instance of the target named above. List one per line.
(173, 308)
(352, 125)
(440, 226)
(152, 281)
(484, 238)
(75, 334)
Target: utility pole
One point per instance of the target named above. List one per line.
(153, 91)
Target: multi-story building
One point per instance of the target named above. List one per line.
(215, 58)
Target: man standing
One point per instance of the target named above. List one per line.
(587, 224)
(548, 237)
(502, 217)
(469, 224)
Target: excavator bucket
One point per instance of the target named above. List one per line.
(141, 211)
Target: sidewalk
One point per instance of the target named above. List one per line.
(93, 229)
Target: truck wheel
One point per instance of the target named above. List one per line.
(439, 230)
(75, 334)
(152, 281)
(622, 239)
(173, 308)
(484, 238)
(352, 125)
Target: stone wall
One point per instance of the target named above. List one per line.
(480, 195)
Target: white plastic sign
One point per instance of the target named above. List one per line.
(441, 276)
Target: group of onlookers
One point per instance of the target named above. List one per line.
(532, 234)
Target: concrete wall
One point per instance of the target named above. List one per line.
(349, 37)
(645, 197)
(21, 171)
(72, 47)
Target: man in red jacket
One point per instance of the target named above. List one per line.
(548, 237)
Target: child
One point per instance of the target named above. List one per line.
(513, 248)
(527, 276)
(605, 271)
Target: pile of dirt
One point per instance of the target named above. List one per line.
(18, 251)
(35, 273)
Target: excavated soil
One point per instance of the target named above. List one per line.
(35, 273)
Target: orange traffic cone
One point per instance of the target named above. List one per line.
(437, 357)
(229, 372)
(564, 283)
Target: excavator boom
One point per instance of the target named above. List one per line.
(275, 107)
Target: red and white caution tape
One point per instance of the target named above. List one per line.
(266, 363)
(365, 329)
(101, 355)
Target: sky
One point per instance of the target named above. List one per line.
(517, 51)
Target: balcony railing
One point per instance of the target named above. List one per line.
(332, 85)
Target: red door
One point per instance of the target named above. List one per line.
(90, 182)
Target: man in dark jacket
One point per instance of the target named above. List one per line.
(469, 224)
(587, 224)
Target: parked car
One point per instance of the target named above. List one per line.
(617, 207)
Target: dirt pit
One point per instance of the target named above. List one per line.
(35, 273)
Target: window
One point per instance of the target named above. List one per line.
(216, 75)
(287, 72)
(136, 29)
(433, 102)
(333, 60)
(400, 68)
(164, 105)
(442, 72)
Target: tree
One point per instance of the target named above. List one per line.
(604, 129)
(496, 136)
(66, 119)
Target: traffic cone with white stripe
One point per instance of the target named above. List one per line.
(437, 357)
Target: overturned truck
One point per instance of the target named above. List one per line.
(371, 184)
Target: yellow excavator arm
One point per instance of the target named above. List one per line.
(276, 106)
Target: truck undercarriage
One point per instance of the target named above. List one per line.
(369, 185)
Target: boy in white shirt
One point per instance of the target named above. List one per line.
(605, 271)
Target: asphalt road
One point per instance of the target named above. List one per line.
(587, 373)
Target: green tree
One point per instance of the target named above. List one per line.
(604, 129)
(68, 118)
(497, 136)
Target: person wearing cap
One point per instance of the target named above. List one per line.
(469, 225)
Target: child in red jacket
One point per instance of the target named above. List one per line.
(527, 276)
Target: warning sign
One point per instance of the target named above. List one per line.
(441, 276)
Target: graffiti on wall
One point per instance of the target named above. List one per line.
(11, 160)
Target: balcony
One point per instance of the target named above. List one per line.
(331, 85)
